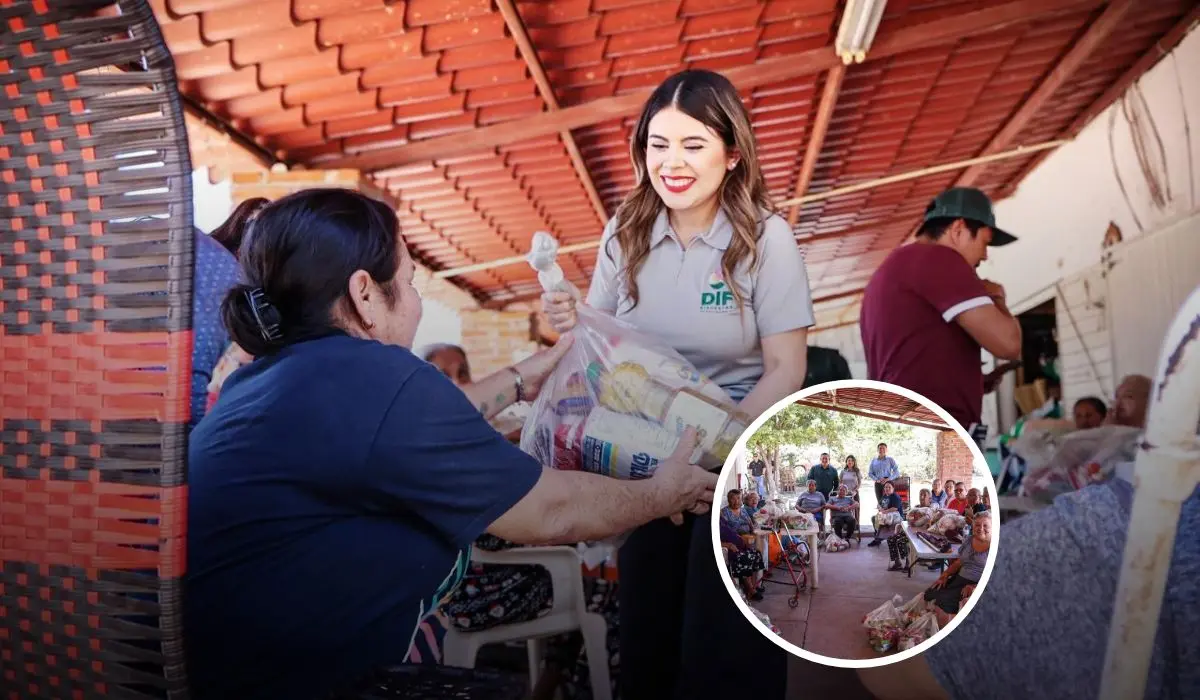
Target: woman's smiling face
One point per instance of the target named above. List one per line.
(685, 160)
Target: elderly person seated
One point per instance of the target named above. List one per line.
(752, 503)
(898, 543)
(841, 508)
(958, 582)
(812, 501)
(888, 503)
(958, 504)
(735, 515)
(1132, 401)
(1089, 412)
(744, 560)
(974, 506)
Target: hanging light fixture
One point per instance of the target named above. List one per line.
(860, 21)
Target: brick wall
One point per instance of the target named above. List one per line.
(495, 339)
(492, 339)
(213, 149)
(954, 458)
(278, 182)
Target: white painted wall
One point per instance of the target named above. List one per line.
(211, 204)
(1061, 210)
(1060, 213)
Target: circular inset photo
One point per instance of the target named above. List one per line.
(855, 525)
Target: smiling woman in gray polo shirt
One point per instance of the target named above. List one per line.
(695, 256)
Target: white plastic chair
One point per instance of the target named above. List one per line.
(567, 612)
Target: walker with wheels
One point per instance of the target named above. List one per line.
(795, 556)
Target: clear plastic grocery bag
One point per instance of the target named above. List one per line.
(1082, 458)
(920, 629)
(620, 399)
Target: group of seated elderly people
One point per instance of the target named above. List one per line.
(737, 539)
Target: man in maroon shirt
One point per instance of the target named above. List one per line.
(926, 313)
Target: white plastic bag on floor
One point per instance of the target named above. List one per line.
(619, 399)
(886, 614)
(919, 630)
(833, 543)
(915, 607)
(884, 625)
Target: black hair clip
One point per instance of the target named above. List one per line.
(265, 314)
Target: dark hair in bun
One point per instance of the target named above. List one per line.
(297, 256)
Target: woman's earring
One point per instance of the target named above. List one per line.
(369, 325)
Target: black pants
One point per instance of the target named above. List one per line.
(878, 492)
(949, 596)
(681, 633)
(844, 524)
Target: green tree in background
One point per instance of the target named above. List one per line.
(795, 437)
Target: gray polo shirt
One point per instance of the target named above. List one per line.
(685, 300)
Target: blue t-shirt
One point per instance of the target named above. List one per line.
(1049, 603)
(892, 501)
(215, 273)
(335, 490)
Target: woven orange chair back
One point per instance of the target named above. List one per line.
(95, 347)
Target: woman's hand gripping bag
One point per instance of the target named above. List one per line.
(619, 399)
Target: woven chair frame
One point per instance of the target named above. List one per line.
(95, 350)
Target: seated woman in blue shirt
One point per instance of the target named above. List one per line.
(339, 481)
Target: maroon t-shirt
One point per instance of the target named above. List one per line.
(909, 333)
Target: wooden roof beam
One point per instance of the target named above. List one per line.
(1095, 36)
(765, 72)
(516, 27)
(1148, 60)
(816, 141)
(874, 416)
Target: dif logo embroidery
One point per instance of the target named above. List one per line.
(717, 298)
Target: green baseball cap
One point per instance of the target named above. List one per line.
(970, 204)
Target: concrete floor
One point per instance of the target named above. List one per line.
(828, 621)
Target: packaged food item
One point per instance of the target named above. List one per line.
(619, 399)
(892, 518)
(604, 437)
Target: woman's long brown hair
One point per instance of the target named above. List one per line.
(712, 100)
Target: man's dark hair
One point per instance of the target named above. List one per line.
(936, 227)
(824, 454)
(1096, 404)
(882, 444)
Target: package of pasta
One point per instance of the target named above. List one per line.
(619, 400)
